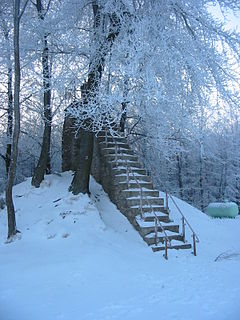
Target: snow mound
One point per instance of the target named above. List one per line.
(79, 258)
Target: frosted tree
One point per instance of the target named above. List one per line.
(18, 12)
(6, 27)
(173, 56)
(106, 28)
(44, 159)
(181, 61)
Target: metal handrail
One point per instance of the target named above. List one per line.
(190, 227)
(184, 220)
(156, 220)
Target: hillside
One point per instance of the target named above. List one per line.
(79, 258)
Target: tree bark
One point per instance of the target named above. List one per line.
(80, 182)
(12, 230)
(43, 165)
(70, 140)
(180, 179)
(7, 157)
(124, 105)
(10, 122)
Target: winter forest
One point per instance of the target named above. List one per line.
(166, 71)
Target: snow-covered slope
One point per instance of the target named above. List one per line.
(79, 258)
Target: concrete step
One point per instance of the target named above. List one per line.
(121, 150)
(149, 228)
(136, 192)
(133, 185)
(150, 238)
(123, 170)
(133, 201)
(147, 210)
(122, 163)
(122, 177)
(121, 145)
(150, 217)
(111, 139)
(179, 246)
(126, 158)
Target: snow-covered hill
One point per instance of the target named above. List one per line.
(79, 259)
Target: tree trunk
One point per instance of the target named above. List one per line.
(124, 105)
(82, 147)
(10, 122)
(201, 178)
(7, 157)
(12, 230)
(80, 182)
(43, 165)
(180, 179)
(68, 143)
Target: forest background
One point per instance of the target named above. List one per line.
(168, 69)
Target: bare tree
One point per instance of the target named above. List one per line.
(44, 159)
(6, 32)
(103, 42)
(12, 230)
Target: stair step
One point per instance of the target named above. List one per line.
(136, 192)
(111, 139)
(135, 201)
(151, 228)
(148, 210)
(123, 170)
(126, 158)
(150, 238)
(111, 145)
(174, 246)
(121, 150)
(133, 185)
(123, 177)
(149, 217)
(122, 163)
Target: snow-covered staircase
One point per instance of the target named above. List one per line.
(131, 189)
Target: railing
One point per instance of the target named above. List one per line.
(156, 219)
(157, 222)
(184, 222)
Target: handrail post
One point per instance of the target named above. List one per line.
(194, 245)
(183, 230)
(127, 169)
(165, 254)
(116, 157)
(167, 208)
(156, 231)
(141, 202)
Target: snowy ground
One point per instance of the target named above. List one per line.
(80, 259)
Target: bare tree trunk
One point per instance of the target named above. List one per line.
(80, 182)
(201, 177)
(124, 106)
(180, 179)
(7, 157)
(44, 159)
(10, 121)
(12, 230)
(68, 143)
